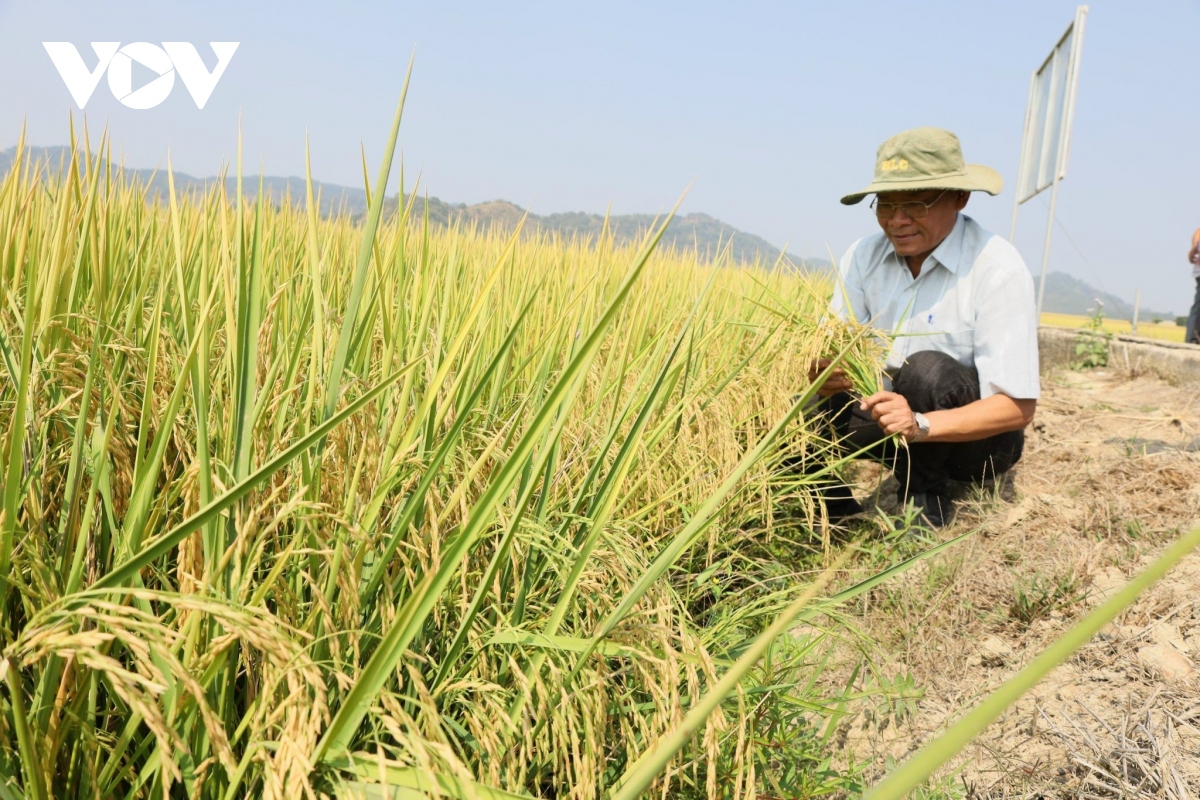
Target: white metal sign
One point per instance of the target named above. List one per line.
(1046, 141)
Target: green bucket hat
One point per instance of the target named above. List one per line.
(926, 158)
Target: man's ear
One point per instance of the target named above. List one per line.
(961, 202)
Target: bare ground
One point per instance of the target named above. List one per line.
(1111, 474)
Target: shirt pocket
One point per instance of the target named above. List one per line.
(958, 344)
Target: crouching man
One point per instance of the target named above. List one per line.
(963, 366)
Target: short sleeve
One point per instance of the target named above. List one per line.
(1006, 345)
(849, 300)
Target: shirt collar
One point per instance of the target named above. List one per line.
(949, 253)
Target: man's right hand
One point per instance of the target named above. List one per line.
(837, 381)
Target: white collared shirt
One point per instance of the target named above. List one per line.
(973, 300)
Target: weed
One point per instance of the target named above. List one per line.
(1133, 529)
(1091, 345)
(1038, 595)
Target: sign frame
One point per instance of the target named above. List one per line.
(1046, 135)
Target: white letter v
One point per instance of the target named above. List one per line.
(80, 82)
(196, 77)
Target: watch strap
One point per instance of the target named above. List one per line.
(922, 426)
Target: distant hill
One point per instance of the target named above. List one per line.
(700, 232)
(706, 235)
(1069, 295)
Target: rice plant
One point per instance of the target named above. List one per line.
(298, 506)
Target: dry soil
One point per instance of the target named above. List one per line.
(1111, 474)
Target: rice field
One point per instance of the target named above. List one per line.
(307, 507)
(1167, 330)
(302, 507)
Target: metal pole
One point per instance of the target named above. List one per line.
(1046, 250)
(1012, 232)
(1137, 303)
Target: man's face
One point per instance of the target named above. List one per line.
(914, 237)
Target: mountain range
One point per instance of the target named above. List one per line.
(1069, 295)
(705, 234)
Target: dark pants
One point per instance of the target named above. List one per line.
(929, 381)
(1193, 335)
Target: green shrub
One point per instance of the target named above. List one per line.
(1091, 345)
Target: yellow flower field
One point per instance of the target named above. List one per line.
(1167, 330)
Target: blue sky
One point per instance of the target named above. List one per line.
(770, 111)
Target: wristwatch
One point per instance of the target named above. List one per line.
(922, 426)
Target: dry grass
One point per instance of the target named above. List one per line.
(1109, 474)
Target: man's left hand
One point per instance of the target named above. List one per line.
(892, 413)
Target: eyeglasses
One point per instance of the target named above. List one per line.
(912, 208)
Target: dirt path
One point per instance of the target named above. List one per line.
(1111, 473)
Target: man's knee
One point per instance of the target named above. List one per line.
(931, 380)
(930, 360)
